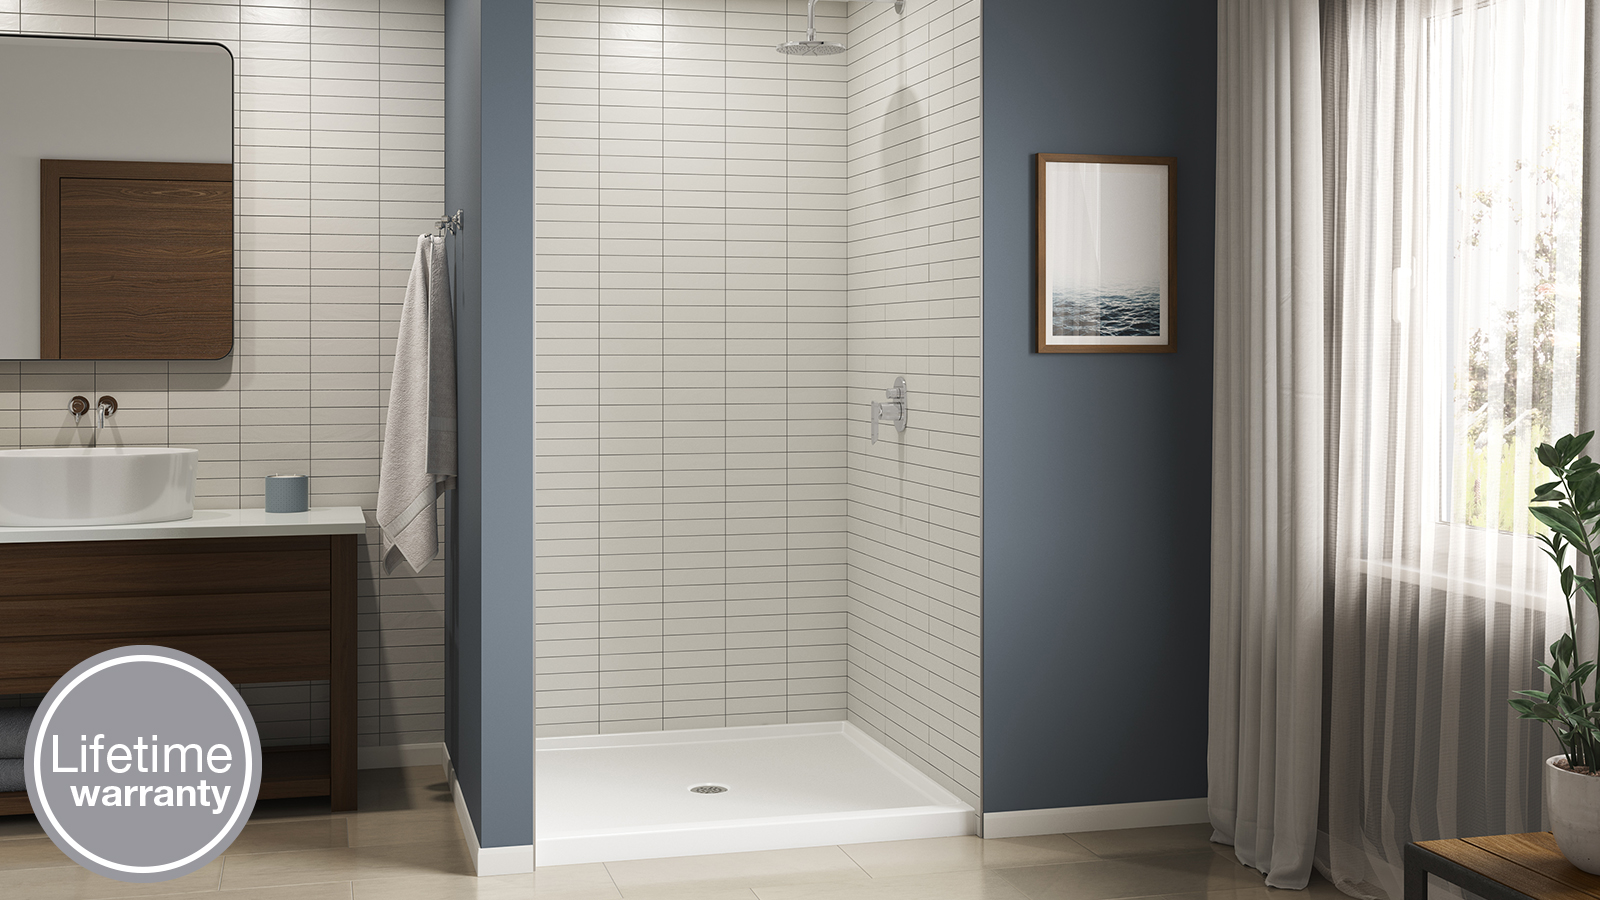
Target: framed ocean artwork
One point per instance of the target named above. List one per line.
(1105, 258)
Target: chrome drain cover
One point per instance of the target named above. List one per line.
(709, 789)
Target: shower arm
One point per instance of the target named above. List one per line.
(811, 17)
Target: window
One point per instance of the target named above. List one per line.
(1504, 199)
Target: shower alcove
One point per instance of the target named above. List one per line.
(738, 251)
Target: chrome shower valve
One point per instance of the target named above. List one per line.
(893, 410)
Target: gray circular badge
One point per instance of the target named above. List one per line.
(143, 764)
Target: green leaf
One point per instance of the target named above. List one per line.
(1581, 441)
(1563, 647)
(1560, 521)
(1525, 707)
(1555, 547)
(1547, 457)
(1585, 487)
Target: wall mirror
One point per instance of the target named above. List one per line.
(116, 199)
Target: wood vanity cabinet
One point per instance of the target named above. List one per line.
(257, 609)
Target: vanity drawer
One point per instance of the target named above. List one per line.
(135, 568)
(134, 617)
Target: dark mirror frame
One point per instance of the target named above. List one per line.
(137, 259)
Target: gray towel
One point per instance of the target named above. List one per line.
(14, 722)
(11, 775)
(419, 440)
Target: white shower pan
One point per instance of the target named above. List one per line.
(630, 796)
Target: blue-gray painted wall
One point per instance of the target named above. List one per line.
(489, 644)
(1097, 467)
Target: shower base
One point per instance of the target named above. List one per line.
(630, 796)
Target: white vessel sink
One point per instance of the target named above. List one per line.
(100, 486)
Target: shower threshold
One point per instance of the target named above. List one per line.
(633, 796)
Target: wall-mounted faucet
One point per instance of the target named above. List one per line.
(893, 410)
(107, 409)
(79, 407)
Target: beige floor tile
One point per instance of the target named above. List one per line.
(334, 891)
(1319, 889)
(957, 853)
(712, 891)
(554, 883)
(410, 826)
(351, 864)
(1239, 894)
(294, 808)
(77, 883)
(416, 787)
(276, 837)
(690, 892)
(764, 868)
(968, 885)
(1140, 876)
(31, 853)
(1137, 841)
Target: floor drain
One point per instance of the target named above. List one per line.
(708, 789)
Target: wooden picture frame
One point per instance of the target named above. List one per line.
(1107, 248)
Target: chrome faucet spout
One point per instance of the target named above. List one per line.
(107, 408)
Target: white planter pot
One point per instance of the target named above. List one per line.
(1574, 804)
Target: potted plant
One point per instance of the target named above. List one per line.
(1571, 510)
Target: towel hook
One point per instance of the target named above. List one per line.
(448, 224)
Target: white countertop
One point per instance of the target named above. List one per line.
(206, 523)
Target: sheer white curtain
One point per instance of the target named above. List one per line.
(1455, 145)
(1267, 439)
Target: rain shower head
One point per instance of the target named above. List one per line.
(810, 46)
(813, 47)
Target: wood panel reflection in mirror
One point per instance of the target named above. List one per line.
(136, 260)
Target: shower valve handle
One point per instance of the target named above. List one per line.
(892, 410)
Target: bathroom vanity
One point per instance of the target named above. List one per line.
(261, 597)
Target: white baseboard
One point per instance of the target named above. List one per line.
(1111, 816)
(486, 861)
(395, 756)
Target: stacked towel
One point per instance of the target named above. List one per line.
(14, 722)
(419, 439)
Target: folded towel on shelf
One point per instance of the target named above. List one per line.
(419, 440)
(14, 722)
(11, 776)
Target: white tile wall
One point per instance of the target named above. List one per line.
(339, 165)
(691, 357)
(915, 310)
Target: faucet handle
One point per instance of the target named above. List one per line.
(79, 407)
(108, 405)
